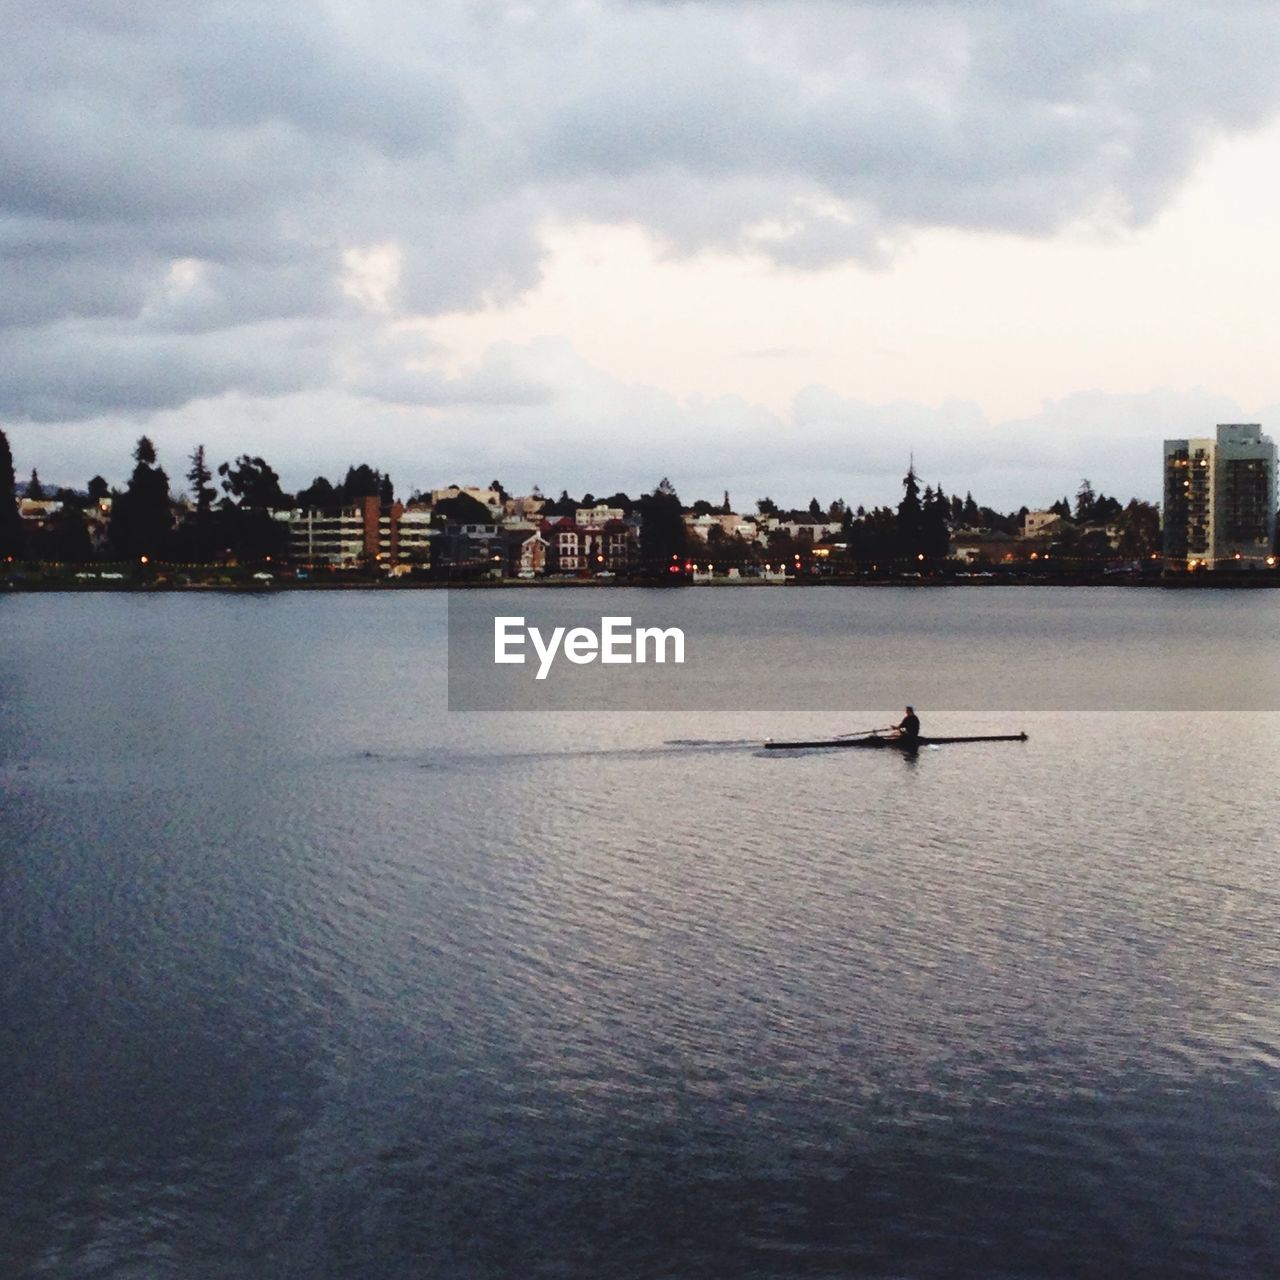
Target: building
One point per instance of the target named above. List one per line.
(527, 553)
(1042, 524)
(610, 547)
(365, 532)
(1220, 500)
(598, 516)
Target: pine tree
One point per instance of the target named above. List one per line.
(909, 517)
(201, 489)
(1086, 501)
(141, 518)
(935, 525)
(662, 533)
(35, 490)
(10, 520)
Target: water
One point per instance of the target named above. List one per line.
(306, 976)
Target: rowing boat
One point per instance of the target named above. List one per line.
(883, 740)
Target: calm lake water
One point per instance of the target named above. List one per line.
(306, 976)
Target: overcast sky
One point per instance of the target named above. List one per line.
(768, 245)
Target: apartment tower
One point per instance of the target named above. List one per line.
(1220, 500)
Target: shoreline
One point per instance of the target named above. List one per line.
(1227, 582)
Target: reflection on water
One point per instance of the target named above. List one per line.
(304, 976)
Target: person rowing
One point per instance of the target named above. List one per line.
(909, 726)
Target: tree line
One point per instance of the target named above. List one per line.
(230, 517)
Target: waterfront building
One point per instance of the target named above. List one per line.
(1220, 500)
(367, 531)
(527, 553)
(611, 547)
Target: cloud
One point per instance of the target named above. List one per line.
(182, 187)
(533, 413)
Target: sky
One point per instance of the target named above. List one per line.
(778, 247)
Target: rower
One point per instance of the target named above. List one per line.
(909, 726)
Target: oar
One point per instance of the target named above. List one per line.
(865, 733)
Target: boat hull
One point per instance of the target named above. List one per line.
(883, 742)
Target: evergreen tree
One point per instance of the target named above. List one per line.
(202, 489)
(1086, 501)
(662, 533)
(910, 517)
(934, 527)
(386, 491)
(98, 489)
(873, 538)
(35, 490)
(10, 520)
(140, 517)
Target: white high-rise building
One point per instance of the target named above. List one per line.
(1220, 500)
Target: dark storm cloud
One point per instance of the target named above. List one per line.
(258, 144)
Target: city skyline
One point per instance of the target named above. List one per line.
(770, 246)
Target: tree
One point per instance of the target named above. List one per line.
(201, 489)
(253, 483)
(463, 509)
(1139, 530)
(873, 538)
(564, 505)
(935, 529)
(10, 520)
(248, 527)
(141, 518)
(910, 516)
(320, 495)
(621, 502)
(815, 508)
(98, 489)
(662, 533)
(1105, 509)
(361, 482)
(196, 539)
(35, 490)
(766, 506)
(727, 549)
(386, 491)
(1086, 500)
(67, 537)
